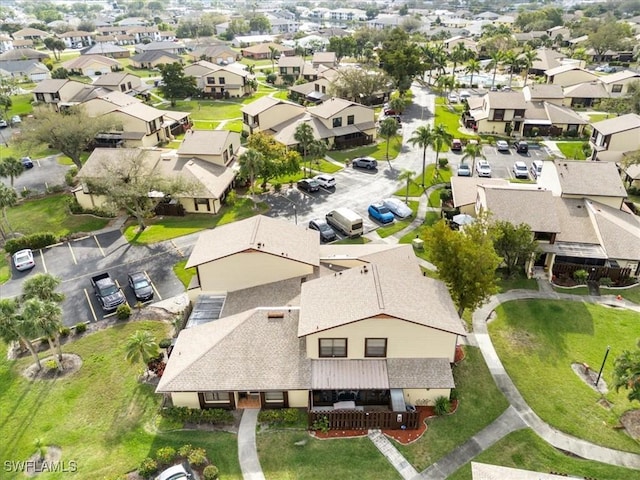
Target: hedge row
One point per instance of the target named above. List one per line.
(33, 241)
(194, 415)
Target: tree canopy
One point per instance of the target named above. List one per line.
(401, 58)
(626, 373)
(175, 84)
(360, 85)
(275, 159)
(514, 243)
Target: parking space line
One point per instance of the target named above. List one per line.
(109, 314)
(99, 246)
(72, 254)
(177, 249)
(93, 312)
(81, 238)
(44, 265)
(153, 286)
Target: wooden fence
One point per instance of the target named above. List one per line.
(616, 274)
(361, 420)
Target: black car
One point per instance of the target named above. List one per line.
(308, 185)
(521, 146)
(326, 232)
(26, 162)
(141, 286)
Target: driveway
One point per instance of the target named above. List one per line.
(46, 172)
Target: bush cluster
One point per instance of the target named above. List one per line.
(147, 467)
(194, 415)
(33, 241)
(123, 312)
(166, 455)
(80, 327)
(442, 406)
(210, 472)
(280, 417)
(197, 457)
(76, 208)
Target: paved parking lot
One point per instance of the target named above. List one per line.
(502, 162)
(46, 172)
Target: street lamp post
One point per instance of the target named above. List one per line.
(602, 366)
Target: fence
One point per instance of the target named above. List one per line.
(616, 274)
(361, 420)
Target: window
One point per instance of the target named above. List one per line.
(123, 87)
(296, 70)
(519, 113)
(317, 87)
(337, 122)
(351, 120)
(230, 150)
(617, 88)
(498, 115)
(211, 81)
(283, 70)
(40, 97)
(375, 347)
(221, 80)
(211, 397)
(274, 397)
(129, 85)
(201, 201)
(333, 347)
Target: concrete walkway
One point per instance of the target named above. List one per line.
(247, 452)
(391, 453)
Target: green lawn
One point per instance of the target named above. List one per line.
(377, 151)
(399, 224)
(415, 190)
(597, 117)
(5, 267)
(213, 110)
(20, 105)
(538, 340)
(281, 94)
(480, 402)
(632, 294)
(17, 150)
(434, 198)
(51, 214)
(64, 160)
(451, 120)
(324, 166)
(518, 281)
(234, 126)
(100, 416)
(257, 63)
(281, 458)
(579, 290)
(572, 150)
(166, 228)
(524, 449)
(184, 274)
(430, 219)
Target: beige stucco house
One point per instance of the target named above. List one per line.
(351, 123)
(54, 91)
(617, 84)
(290, 66)
(612, 138)
(144, 125)
(121, 82)
(155, 58)
(567, 75)
(221, 81)
(91, 65)
(287, 336)
(266, 112)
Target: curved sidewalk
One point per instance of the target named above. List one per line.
(247, 451)
(552, 436)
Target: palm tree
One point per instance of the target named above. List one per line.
(273, 51)
(496, 59)
(317, 149)
(304, 136)
(250, 163)
(11, 167)
(398, 104)
(473, 67)
(141, 346)
(8, 198)
(14, 326)
(422, 137)
(459, 54)
(407, 176)
(512, 60)
(473, 151)
(46, 317)
(439, 138)
(42, 286)
(388, 129)
(527, 58)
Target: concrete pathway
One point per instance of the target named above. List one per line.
(247, 452)
(391, 453)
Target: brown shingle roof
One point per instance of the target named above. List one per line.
(506, 100)
(207, 142)
(619, 231)
(331, 107)
(622, 123)
(589, 178)
(502, 205)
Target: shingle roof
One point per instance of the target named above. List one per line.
(101, 158)
(153, 55)
(332, 106)
(265, 103)
(576, 223)
(209, 180)
(630, 121)
(465, 189)
(619, 231)
(586, 90)
(257, 233)
(500, 202)
(379, 289)
(506, 100)
(322, 57)
(619, 76)
(565, 68)
(84, 60)
(589, 178)
(141, 111)
(206, 142)
(290, 61)
(420, 373)
(285, 132)
(113, 78)
(543, 91)
(559, 115)
(50, 85)
(22, 54)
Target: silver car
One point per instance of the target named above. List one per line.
(325, 181)
(23, 260)
(397, 207)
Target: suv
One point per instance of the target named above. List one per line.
(326, 232)
(365, 162)
(521, 146)
(456, 145)
(308, 185)
(520, 170)
(483, 169)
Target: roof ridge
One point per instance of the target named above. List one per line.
(376, 283)
(254, 232)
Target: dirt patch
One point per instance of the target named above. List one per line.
(631, 422)
(71, 363)
(44, 461)
(521, 339)
(589, 376)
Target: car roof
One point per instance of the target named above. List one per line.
(172, 471)
(136, 275)
(26, 251)
(520, 163)
(327, 177)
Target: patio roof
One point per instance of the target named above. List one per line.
(352, 374)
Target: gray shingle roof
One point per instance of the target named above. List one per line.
(506, 100)
(619, 231)
(586, 90)
(576, 223)
(501, 203)
(622, 123)
(207, 142)
(420, 373)
(465, 189)
(589, 178)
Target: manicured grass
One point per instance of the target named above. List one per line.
(324, 166)
(582, 290)
(64, 160)
(281, 94)
(597, 117)
(434, 198)
(20, 105)
(5, 267)
(399, 224)
(51, 214)
(451, 120)
(101, 416)
(205, 125)
(517, 281)
(213, 110)
(233, 126)
(631, 294)
(377, 151)
(166, 228)
(353, 241)
(175, 144)
(572, 150)
(538, 340)
(184, 274)
(524, 449)
(285, 179)
(16, 150)
(415, 190)
(281, 458)
(257, 63)
(480, 402)
(430, 219)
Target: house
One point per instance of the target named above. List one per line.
(31, 34)
(267, 112)
(546, 60)
(23, 54)
(290, 67)
(262, 51)
(121, 82)
(613, 137)
(18, 44)
(464, 191)
(53, 91)
(219, 147)
(31, 70)
(543, 92)
(617, 84)
(468, 43)
(240, 41)
(218, 54)
(171, 47)
(584, 94)
(221, 81)
(77, 38)
(326, 59)
(154, 59)
(369, 354)
(567, 75)
(559, 31)
(142, 125)
(144, 34)
(91, 65)
(107, 50)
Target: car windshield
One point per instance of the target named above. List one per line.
(140, 283)
(312, 183)
(22, 256)
(109, 290)
(383, 209)
(323, 227)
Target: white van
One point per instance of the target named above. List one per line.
(346, 221)
(536, 168)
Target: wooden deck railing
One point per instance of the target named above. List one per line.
(362, 420)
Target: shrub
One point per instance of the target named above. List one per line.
(232, 197)
(443, 162)
(446, 194)
(271, 78)
(165, 343)
(185, 450)
(197, 457)
(606, 282)
(33, 241)
(166, 455)
(277, 187)
(321, 424)
(210, 472)
(580, 276)
(123, 312)
(55, 189)
(51, 365)
(147, 467)
(442, 406)
(81, 327)
(454, 394)
(195, 415)
(65, 331)
(280, 417)
(25, 192)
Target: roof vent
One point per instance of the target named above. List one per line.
(275, 315)
(259, 244)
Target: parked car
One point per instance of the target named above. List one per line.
(520, 170)
(27, 162)
(396, 117)
(325, 181)
(397, 207)
(502, 145)
(3, 124)
(453, 97)
(483, 169)
(15, 120)
(381, 213)
(464, 170)
(308, 185)
(365, 162)
(464, 95)
(141, 286)
(327, 234)
(456, 145)
(536, 168)
(177, 472)
(23, 260)
(521, 146)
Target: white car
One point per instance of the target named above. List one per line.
(177, 472)
(16, 120)
(325, 181)
(502, 145)
(453, 97)
(23, 260)
(397, 207)
(520, 170)
(483, 169)
(464, 95)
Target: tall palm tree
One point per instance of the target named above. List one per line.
(473, 151)
(439, 138)
(317, 150)
(512, 60)
(250, 163)
(273, 52)
(459, 54)
(473, 67)
(11, 167)
(304, 136)
(14, 326)
(42, 286)
(407, 176)
(527, 58)
(46, 317)
(388, 129)
(8, 198)
(422, 137)
(496, 60)
(141, 346)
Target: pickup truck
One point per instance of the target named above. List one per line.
(108, 292)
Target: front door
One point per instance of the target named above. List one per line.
(249, 400)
